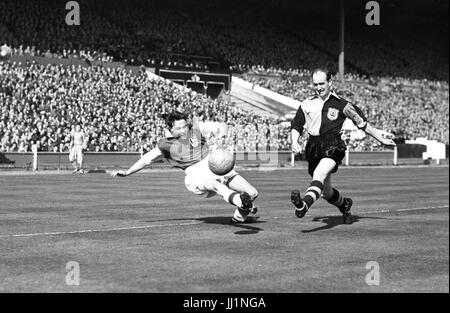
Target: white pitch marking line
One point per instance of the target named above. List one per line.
(97, 230)
(405, 210)
(388, 211)
(187, 224)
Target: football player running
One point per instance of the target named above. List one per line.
(323, 115)
(78, 143)
(187, 149)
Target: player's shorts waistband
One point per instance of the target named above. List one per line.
(200, 164)
(323, 137)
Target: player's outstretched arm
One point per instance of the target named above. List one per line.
(85, 142)
(375, 133)
(355, 114)
(146, 159)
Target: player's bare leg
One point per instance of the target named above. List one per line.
(73, 160)
(230, 196)
(75, 166)
(241, 185)
(314, 191)
(334, 197)
(80, 168)
(242, 201)
(80, 163)
(327, 192)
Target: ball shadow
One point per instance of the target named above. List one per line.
(248, 229)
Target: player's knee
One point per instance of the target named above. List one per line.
(319, 175)
(253, 193)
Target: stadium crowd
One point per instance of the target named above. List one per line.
(119, 111)
(407, 108)
(400, 88)
(156, 34)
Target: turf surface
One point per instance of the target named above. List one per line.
(147, 233)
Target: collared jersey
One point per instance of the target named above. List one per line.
(321, 117)
(182, 153)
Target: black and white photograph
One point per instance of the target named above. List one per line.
(217, 154)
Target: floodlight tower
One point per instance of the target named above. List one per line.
(341, 39)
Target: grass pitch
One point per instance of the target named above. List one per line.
(147, 233)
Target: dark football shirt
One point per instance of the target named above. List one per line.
(325, 117)
(182, 153)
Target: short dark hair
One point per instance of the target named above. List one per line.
(323, 70)
(175, 116)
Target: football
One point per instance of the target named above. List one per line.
(5, 53)
(221, 161)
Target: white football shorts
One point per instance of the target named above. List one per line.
(76, 153)
(197, 174)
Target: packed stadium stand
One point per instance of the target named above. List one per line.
(400, 81)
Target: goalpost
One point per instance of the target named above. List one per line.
(35, 157)
(43, 160)
(341, 39)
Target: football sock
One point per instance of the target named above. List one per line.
(235, 199)
(336, 199)
(313, 193)
(229, 195)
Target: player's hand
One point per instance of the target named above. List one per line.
(296, 148)
(388, 142)
(119, 174)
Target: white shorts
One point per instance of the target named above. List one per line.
(76, 153)
(199, 173)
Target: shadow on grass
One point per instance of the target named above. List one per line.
(247, 228)
(333, 221)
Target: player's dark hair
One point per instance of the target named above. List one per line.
(328, 73)
(175, 116)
